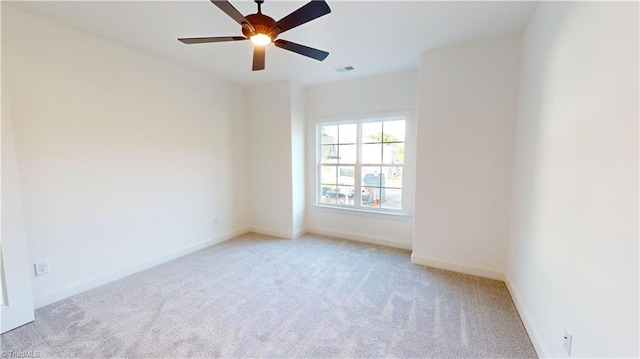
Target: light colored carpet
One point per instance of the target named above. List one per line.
(256, 296)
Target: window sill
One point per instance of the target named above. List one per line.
(362, 212)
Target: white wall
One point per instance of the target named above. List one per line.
(123, 158)
(15, 283)
(270, 159)
(370, 95)
(466, 124)
(298, 159)
(573, 255)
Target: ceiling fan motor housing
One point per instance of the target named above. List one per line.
(262, 24)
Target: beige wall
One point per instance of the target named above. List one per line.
(466, 124)
(573, 254)
(365, 96)
(124, 160)
(270, 159)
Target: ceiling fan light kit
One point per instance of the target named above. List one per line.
(263, 30)
(260, 39)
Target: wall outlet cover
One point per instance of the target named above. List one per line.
(41, 268)
(566, 342)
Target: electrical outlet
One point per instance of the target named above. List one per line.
(42, 268)
(566, 342)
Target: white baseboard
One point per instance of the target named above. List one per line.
(299, 232)
(270, 232)
(361, 238)
(460, 267)
(58, 294)
(528, 325)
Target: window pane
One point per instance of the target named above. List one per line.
(391, 198)
(370, 197)
(394, 131)
(348, 133)
(328, 194)
(329, 175)
(371, 186)
(347, 153)
(393, 153)
(372, 153)
(371, 176)
(371, 132)
(346, 175)
(329, 134)
(392, 176)
(337, 195)
(329, 154)
(345, 195)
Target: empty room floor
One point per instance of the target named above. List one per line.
(258, 296)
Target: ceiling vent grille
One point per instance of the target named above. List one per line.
(345, 69)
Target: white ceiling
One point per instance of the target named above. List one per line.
(373, 36)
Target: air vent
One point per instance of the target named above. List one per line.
(345, 69)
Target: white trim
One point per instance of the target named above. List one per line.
(58, 294)
(396, 216)
(270, 232)
(15, 286)
(374, 116)
(299, 232)
(528, 325)
(405, 115)
(455, 266)
(383, 241)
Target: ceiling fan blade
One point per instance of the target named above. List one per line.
(302, 50)
(228, 9)
(202, 40)
(308, 12)
(258, 58)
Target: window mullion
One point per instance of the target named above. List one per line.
(382, 148)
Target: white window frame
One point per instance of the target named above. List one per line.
(357, 200)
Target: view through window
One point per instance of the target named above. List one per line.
(361, 164)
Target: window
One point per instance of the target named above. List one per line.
(360, 164)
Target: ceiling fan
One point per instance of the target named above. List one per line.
(263, 30)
